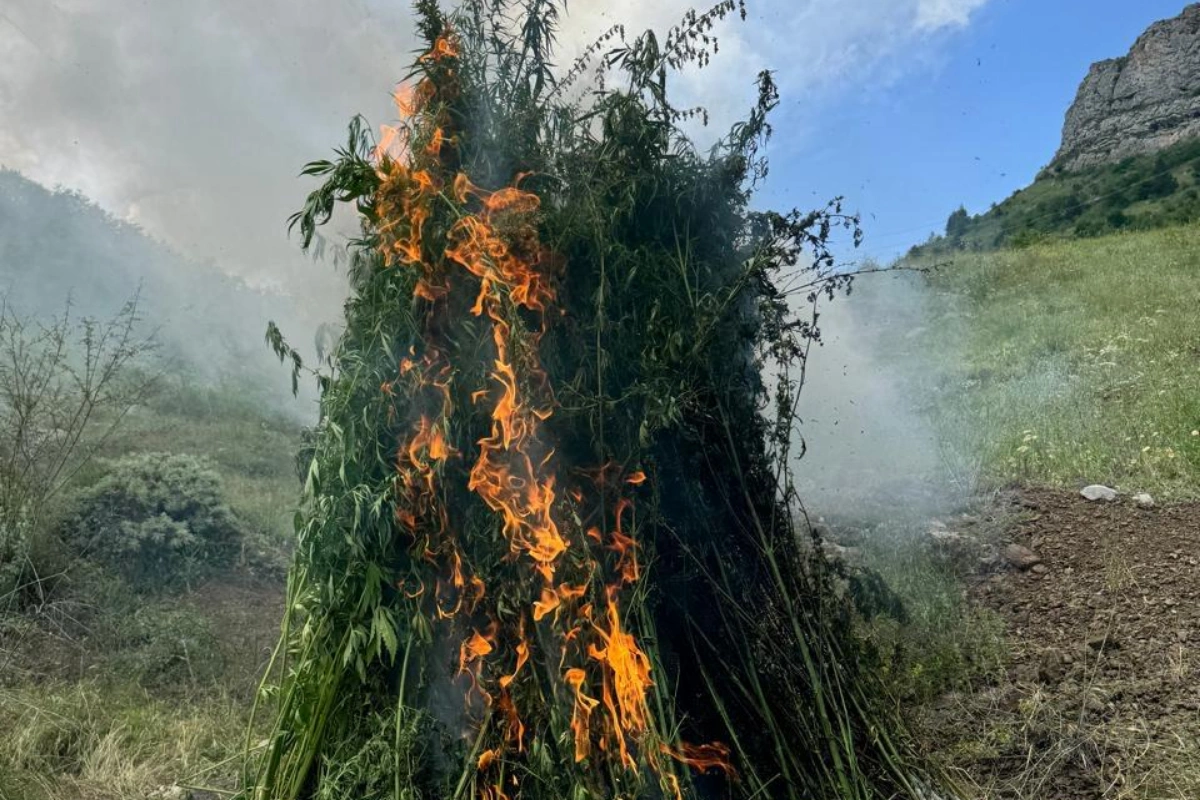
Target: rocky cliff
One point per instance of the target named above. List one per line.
(1141, 103)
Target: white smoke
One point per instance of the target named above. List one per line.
(873, 448)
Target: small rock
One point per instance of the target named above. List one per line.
(1040, 569)
(1143, 500)
(172, 792)
(1021, 557)
(1097, 492)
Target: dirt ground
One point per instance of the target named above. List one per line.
(1099, 696)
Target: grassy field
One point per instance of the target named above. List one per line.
(1060, 364)
(1072, 363)
(106, 693)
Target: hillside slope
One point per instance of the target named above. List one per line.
(57, 244)
(1074, 362)
(1143, 192)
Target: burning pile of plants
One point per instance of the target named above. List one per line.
(547, 547)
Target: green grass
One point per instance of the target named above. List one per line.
(250, 440)
(943, 642)
(1074, 362)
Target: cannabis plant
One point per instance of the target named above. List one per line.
(549, 545)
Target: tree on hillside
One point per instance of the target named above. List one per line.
(957, 225)
(1160, 183)
(550, 547)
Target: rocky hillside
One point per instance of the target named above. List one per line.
(1129, 158)
(1139, 103)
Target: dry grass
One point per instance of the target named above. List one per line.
(1021, 740)
(105, 743)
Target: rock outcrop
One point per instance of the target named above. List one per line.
(1140, 103)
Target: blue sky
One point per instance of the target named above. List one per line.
(970, 127)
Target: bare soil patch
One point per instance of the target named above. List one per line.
(1099, 696)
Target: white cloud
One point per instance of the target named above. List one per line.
(935, 14)
(817, 48)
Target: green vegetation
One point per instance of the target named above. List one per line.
(100, 742)
(547, 545)
(1074, 362)
(108, 690)
(1139, 193)
(941, 643)
(155, 518)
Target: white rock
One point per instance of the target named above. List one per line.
(1143, 500)
(1098, 492)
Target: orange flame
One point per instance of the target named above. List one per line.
(626, 681)
(702, 757)
(495, 241)
(473, 649)
(582, 714)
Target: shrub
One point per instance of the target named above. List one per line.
(1062, 209)
(166, 648)
(155, 518)
(1026, 238)
(1161, 185)
(1090, 226)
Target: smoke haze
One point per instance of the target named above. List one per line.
(873, 451)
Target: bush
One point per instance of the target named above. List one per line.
(1027, 238)
(155, 518)
(1090, 226)
(1161, 185)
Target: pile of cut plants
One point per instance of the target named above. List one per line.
(549, 546)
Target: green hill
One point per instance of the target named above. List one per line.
(1140, 193)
